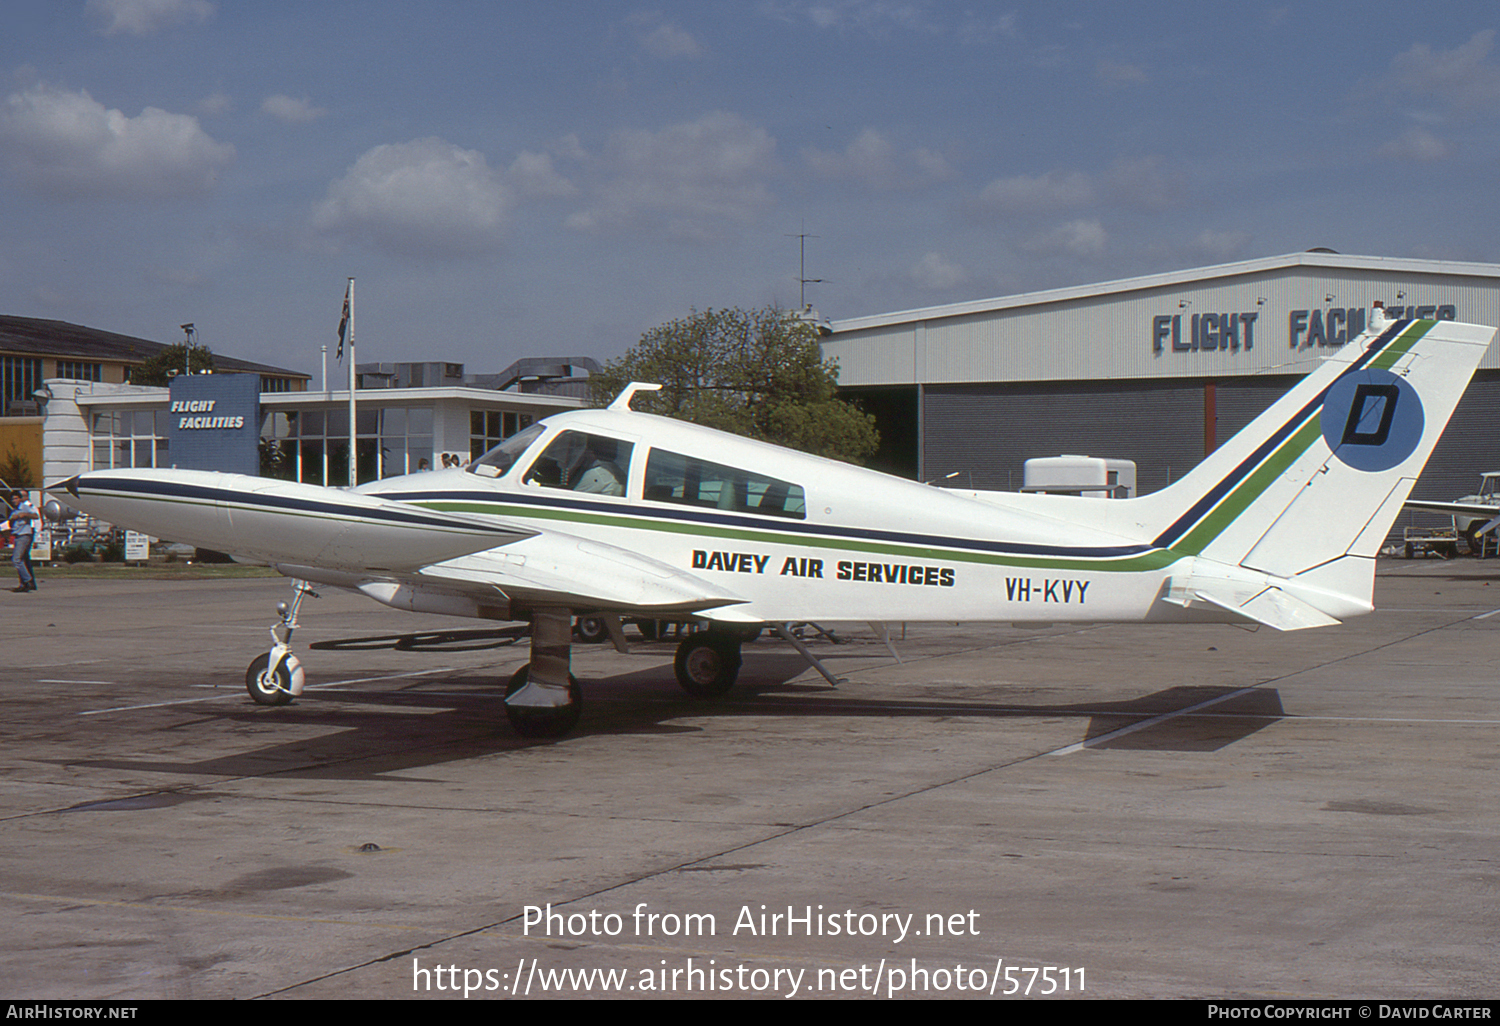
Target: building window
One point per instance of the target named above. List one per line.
(275, 384)
(19, 377)
(312, 446)
(488, 428)
(79, 370)
(130, 438)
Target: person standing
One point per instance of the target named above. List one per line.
(23, 521)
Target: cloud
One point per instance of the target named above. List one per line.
(422, 198)
(1464, 76)
(981, 28)
(935, 271)
(1416, 144)
(874, 161)
(215, 104)
(1029, 194)
(1147, 183)
(532, 174)
(291, 110)
(664, 39)
(1219, 247)
(870, 17)
(691, 179)
(147, 17)
(1144, 183)
(882, 19)
(67, 145)
(1116, 74)
(1084, 238)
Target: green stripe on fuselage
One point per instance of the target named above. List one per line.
(1151, 560)
(1250, 489)
(1402, 345)
(1274, 465)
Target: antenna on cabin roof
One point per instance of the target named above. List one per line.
(803, 281)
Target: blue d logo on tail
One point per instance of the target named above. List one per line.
(1372, 419)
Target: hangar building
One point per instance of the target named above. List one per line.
(1157, 369)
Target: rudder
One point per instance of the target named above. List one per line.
(1323, 472)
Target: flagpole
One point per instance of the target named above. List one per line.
(353, 432)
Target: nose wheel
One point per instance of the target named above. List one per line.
(268, 686)
(275, 677)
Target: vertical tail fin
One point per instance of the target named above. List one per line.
(1322, 474)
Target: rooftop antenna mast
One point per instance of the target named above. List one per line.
(803, 281)
(187, 350)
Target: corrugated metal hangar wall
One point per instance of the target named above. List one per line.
(1158, 370)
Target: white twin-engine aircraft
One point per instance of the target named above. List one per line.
(617, 513)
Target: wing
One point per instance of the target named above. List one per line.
(263, 520)
(552, 569)
(405, 555)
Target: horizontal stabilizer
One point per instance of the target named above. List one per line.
(1274, 608)
(1256, 600)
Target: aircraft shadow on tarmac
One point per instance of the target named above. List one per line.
(471, 640)
(375, 732)
(1220, 715)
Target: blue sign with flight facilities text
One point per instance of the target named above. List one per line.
(214, 423)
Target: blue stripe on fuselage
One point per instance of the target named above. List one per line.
(171, 491)
(770, 524)
(1201, 508)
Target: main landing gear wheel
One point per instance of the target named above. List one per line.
(1475, 540)
(591, 630)
(534, 723)
(707, 664)
(265, 686)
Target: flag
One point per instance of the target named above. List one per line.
(344, 323)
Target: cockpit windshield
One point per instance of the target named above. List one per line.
(503, 456)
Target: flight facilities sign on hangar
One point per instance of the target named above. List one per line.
(214, 422)
(1333, 327)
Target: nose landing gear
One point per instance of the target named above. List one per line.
(276, 677)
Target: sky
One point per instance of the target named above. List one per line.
(515, 178)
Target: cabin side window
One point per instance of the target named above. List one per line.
(585, 463)
(671, 477)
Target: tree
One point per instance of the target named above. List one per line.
(154, 371)
(758, 373)
(15, 470)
